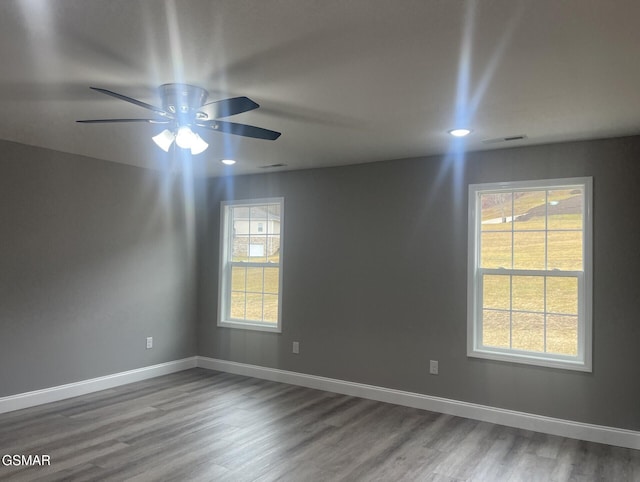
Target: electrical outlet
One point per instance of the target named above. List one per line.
(149, 342)
(296, 347)
(433, 367)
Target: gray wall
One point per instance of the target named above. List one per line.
(94, 257)
(375, 279)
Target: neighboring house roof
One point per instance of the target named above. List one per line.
(256, 214)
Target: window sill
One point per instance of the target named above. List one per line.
(248, 325)
(531, 359)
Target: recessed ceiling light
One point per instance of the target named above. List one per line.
(228, 162)
(460, 132)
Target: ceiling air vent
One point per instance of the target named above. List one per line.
(496, 140)
(271, 166)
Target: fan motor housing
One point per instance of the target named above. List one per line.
(182, 99)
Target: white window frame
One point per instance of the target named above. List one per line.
(583, 360)
(225, 265)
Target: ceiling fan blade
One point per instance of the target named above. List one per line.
(106, 121)
(228, 107)
(131, 100)
(240, 129)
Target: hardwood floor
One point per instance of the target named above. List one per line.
(204, 425)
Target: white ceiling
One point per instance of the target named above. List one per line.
(345, 81)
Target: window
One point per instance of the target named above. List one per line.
(251, 264)
(530, 272)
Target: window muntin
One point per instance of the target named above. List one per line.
(530, 272)
(251, 264)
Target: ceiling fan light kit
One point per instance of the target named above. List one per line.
(184, 138)
(164, 140)
(184, 109)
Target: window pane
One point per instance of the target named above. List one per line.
(255, 280)
(496, 212)
(258, 214)
(254, 225)
(564, 250)
(237, 305)
(257, 249)
(496, 292)
(495, 328)
(527, 332)
(273, 249)
(272, 280)
(240, 248)
(239, 232)
(528, 250)
(254, 306)
(565, 209)
(273, 211)
(562, 334)
(271, 308)
(273, 219)
(562, 295)
(528, 293)
(529, 210)
(238, 278)
(496, 250)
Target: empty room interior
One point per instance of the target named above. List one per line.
(319, 240)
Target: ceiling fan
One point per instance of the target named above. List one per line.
(185, 109)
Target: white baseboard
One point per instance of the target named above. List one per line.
(53, 394)
(553, 426)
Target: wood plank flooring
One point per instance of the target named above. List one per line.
(203, 425)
